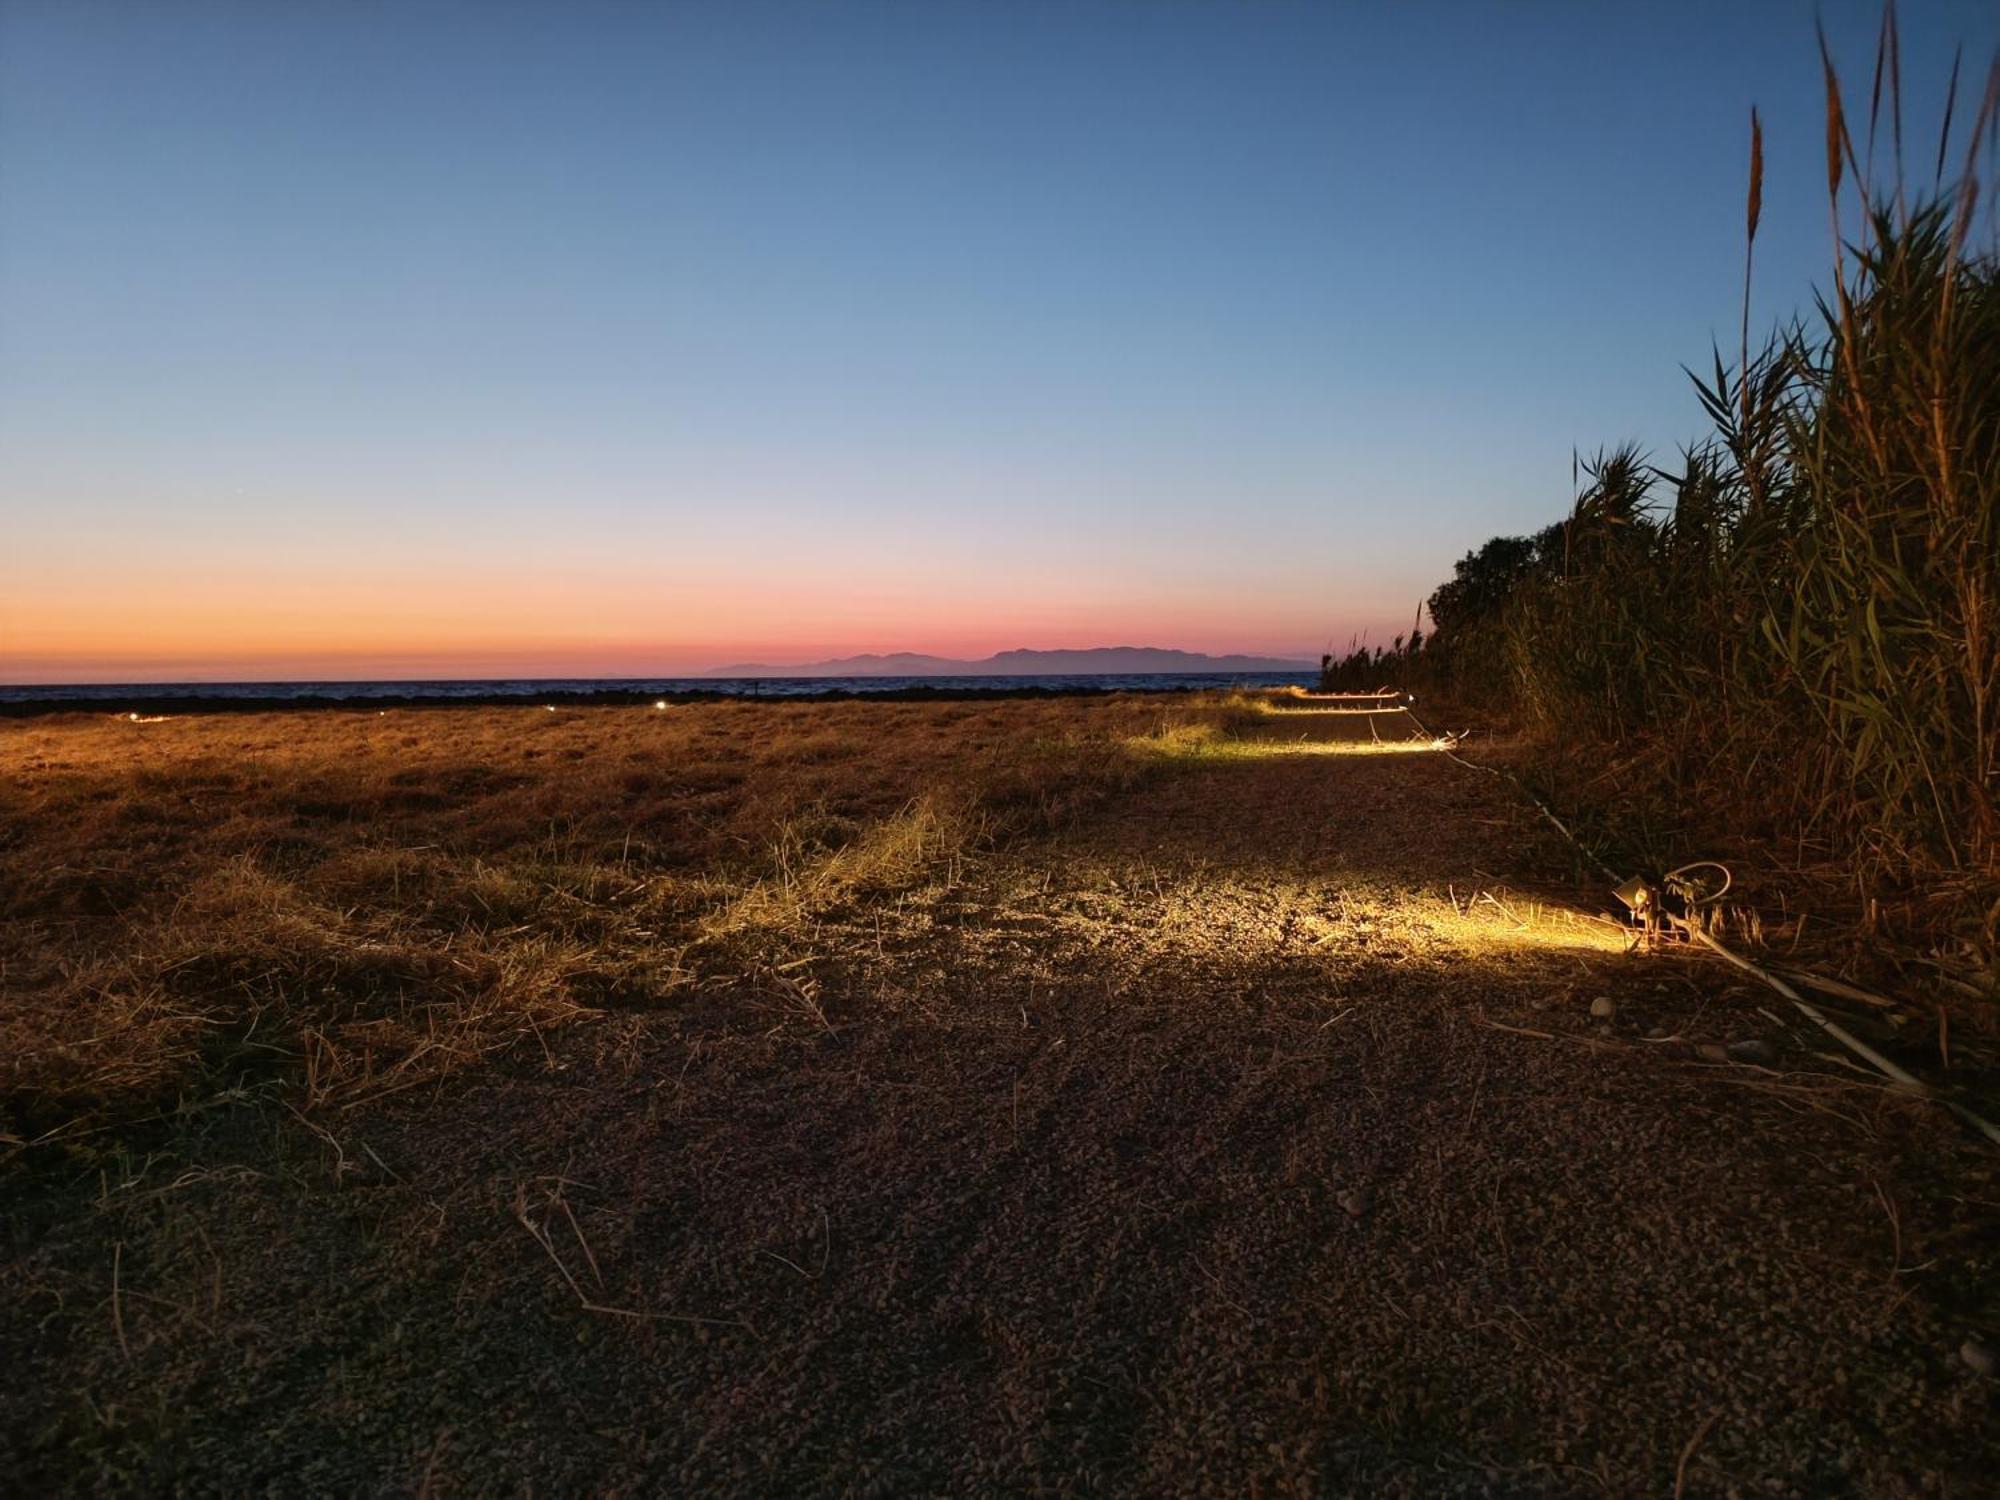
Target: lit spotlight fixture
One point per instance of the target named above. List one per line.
(1637, 896)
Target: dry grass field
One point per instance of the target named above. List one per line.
(377, 898)
(1008, 1095)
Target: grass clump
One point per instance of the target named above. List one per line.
(809, 877)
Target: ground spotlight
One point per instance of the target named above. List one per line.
(1637, 896)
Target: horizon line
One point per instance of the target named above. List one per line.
(152, 675)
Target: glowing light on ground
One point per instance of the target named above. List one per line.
(1494, 921)
(1276, 712)
(1202, 742)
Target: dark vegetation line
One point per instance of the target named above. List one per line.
(224, 703)
(1800, 620)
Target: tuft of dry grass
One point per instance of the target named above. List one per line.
(809, 876)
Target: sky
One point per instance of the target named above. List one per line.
(359, 339)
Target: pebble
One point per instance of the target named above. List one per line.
(1357, 1201)
(1753, 1050)
(1604, 1007)
(1712, 1052)
(1978, 1354)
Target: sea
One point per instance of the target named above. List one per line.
(610, 690)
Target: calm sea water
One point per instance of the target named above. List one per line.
(540, 689)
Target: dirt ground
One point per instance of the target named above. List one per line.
(1242, 1128)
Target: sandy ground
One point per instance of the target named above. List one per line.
(1252, 1135)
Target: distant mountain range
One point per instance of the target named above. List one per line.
(1110, 661)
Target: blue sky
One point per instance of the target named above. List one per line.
(365, 338)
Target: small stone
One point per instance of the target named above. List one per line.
(1357, 1201)
(1753, 1050)
(1604, 1007)
(1977, 1353)
(1712, 1052)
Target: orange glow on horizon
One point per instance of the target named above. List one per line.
(125, 625)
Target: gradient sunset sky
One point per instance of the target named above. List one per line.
(363, 339)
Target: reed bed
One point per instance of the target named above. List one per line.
(1796, 627)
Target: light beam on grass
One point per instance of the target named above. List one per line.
(1204, 742)
(1349, 915)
